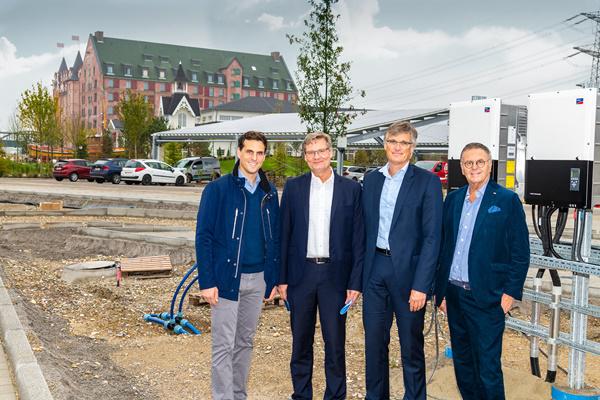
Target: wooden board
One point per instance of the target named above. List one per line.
(147, 267)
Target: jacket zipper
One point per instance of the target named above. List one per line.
(234, 224)
(269, 220)
(237, 263)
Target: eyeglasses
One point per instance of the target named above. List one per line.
(315, 153)
(470, 164)
(394, 143)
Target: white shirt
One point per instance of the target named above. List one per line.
(319, 216)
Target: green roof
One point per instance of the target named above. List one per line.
(123, 53)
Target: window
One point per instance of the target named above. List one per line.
(94, 123)
(210, 104)
(246, 93)
(95, 110)
(110, 69)
(95, 83)
(235, 96)
(110, 83)
(162, 87)
(209, 78)
(211, 91)
(83, 112)
(180, 86)
(127, 70)
(146, 86)
(110, 97)
(194, 77)
(288, 85)
(163, 59)
(181, 120)
(144, 72)
(221, 92)
(146, 99)
(89, 112)
(261, 83)
(147, 57)
(127, 84)
(95, 97)
(162, 74)
(236, 72)
(194, 89)
(89, 99)
(195, 62)
(220, 80)
(110, 110)
(276, 85)
(246, 82)
(82, 99)
(236, 84)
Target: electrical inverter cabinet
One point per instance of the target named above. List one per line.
(501, 127)
(563, 149)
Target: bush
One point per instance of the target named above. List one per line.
(9, 168)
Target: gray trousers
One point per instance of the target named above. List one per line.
(233, 325)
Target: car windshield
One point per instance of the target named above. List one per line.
(428, 165)
(101, 162)
(184, 163)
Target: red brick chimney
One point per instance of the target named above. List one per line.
(275, 55)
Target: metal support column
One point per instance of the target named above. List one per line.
(154, 151)
(580, 298)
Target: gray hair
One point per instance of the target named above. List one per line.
(311, 137)
(402, 127)
(476, 145)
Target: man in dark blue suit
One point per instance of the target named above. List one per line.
(322, 249)
(483, 265)
(403, 217)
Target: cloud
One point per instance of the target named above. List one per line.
(273, 22)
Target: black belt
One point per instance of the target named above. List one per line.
(318, 260)
(385, 252)
(460, 284)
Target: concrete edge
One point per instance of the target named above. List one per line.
(31, 384)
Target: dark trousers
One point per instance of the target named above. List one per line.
(316, 291)
(476, 338)
(381, 300)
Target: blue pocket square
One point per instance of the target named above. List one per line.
(494, 209)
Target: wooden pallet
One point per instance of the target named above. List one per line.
(147, 267)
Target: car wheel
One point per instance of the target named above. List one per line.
(189, 177)
(90, 179)
(146, 180)
(129, 183)
(59, 179)
(99, 180)
(162, 184)
(179, 181)
(116, 179)
(73, 177)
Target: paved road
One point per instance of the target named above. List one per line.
(188, 193)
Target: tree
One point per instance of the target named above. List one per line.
(37, 112)
(323, 81)
(200, 149)
(107, 144)
(361, 158)
(81, 148)
(136, 115)
(173, 153)
(20, 135)
(157, 124)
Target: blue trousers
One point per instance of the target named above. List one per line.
(317, 291)
(381, 301)
(476, 338)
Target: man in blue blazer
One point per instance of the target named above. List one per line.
(403, 217)
(483, 265)
(322, 249)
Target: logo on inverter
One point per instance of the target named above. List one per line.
(486, 109)
(579, 100)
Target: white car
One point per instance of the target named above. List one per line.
(354, 173)
(147, 172)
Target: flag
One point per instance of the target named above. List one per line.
(60, 45)
(486, 109)
(579, 100)
(75, 37)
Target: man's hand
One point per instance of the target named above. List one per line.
(211, 295)
(442, 306)
(506, 302)
(272, 295)
(351, 295)
(282, 291)
(416, 300)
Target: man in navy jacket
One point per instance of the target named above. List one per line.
(403, 219)
(322, 246)
(483, 265)
(237, 251)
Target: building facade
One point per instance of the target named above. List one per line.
(93, 87)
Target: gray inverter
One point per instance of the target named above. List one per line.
(563, 149)
(501, 127)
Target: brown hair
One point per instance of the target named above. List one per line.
(402, 127)
(252, 135)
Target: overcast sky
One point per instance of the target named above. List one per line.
(404, 54)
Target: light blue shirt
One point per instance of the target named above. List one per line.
(460, 262)
(247, 184)
(387, 203)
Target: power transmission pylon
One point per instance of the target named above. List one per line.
(595, 51)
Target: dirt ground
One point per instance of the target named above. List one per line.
(92, 343)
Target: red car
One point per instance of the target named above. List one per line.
(439, 168)
(73, 169)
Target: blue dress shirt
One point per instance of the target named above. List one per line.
(387, 203)
(247, 184)
(460, 261)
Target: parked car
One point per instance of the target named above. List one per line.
(199, 168)
(354, 173)
(147, 172)
(368, 171)
(108, 170)
(439, 168)
(73, 169)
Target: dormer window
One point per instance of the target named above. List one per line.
(288, 85)
(246, 82)
(209, 78)
(144, 72)
(194, 77)
(127, 70)
(220, 80)
(110, 69)
(148, 57)
(261, 83)
(276, 85)
(163, 59)
(162, 74)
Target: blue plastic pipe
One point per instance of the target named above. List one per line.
(187, 288)
(185, 277)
